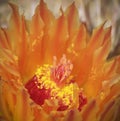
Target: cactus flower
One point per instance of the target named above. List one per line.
(53, 69)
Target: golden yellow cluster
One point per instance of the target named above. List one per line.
(64, 94)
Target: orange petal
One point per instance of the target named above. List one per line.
(111, 111)
(15, 104)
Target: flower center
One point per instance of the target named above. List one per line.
(55, 82)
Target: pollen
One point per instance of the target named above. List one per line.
(43, 74)
(51, 82)
(44, 79)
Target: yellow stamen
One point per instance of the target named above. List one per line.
(43, 73)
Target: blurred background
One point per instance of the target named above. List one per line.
(91, 12)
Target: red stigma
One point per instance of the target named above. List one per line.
(82, 100)
(37, 94)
